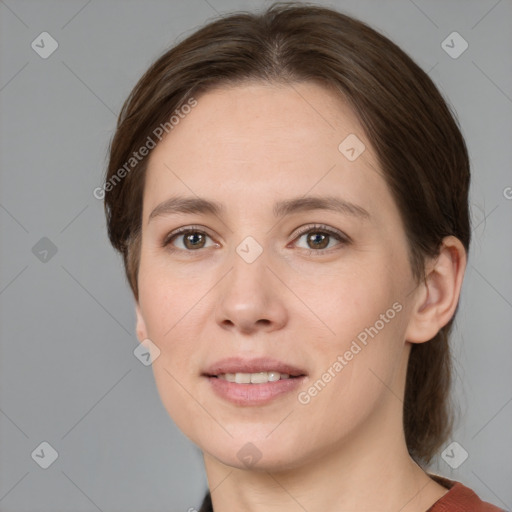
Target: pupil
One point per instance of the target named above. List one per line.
(193, 239)
(314, 237)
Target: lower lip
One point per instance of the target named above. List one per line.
(253, 394)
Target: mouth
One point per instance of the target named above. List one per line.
(259, 393)
(253, 382)
(256, 377)
(253, 371)
(254, 389)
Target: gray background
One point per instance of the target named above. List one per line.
(68, 375)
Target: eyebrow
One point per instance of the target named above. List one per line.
(197, 205)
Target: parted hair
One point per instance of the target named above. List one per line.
(415, 135)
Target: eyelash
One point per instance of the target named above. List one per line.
(315, 228)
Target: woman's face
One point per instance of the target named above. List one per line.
(325, 290)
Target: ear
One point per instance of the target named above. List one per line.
(438, 295)
(142, 332)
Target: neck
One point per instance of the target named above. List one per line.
(370, 471)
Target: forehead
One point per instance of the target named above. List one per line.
(257, 116)
(266, 139)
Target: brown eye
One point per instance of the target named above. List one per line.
(194, 240)
(191, 239)
(318, 240)
(319, 237)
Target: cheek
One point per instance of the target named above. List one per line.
(169, 296)
(170, 316)
(364, 345)
(355, 375)
(345, 302)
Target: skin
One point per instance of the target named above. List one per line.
(247, 147)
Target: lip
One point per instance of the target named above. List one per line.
(260, 364)
(253, 394)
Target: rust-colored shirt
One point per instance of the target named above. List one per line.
(459, 498)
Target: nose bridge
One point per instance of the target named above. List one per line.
(250, 250)
(249, 271)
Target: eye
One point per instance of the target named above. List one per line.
(192, 238)
(319, 237)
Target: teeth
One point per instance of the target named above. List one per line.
(253, 378)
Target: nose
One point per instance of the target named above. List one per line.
(251, 298)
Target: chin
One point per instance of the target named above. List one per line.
(256, 454)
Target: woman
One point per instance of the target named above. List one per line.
(289, 192)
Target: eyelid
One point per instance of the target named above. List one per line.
(322, 228)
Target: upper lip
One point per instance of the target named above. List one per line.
(260, 364)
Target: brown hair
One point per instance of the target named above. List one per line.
(420, 148)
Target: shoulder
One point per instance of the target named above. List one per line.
(459, 498)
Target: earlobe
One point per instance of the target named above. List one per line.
(438, 295)
(142, 333)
